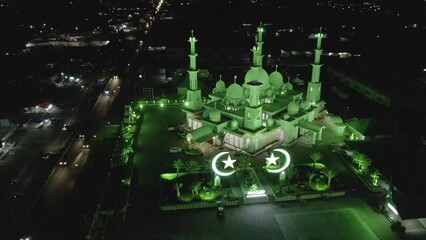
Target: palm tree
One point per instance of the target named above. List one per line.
(375, 178)
(178, 186)
(222, 136)
(310, 175)
(193, 166)
(316, 157)
(127, 150)
(178, 165)
(127, 135)
(291, 172)
(244, 162)
(330, 174)
(207, 165)
(362, 160)
(196, 188)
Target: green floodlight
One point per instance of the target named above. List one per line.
(161, 104)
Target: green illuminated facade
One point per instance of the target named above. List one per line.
(261, 111)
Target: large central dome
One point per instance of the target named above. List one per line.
(257, 73)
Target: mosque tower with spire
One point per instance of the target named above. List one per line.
(313, 93)
(193, 95)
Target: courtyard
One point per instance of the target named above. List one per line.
(281, 220)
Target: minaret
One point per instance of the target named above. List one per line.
(259, 43)
(313, 93)
(193, 94)
(255, 51)
(253, 112)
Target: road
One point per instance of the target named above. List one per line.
(62, 200)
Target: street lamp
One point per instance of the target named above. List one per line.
(346, 109)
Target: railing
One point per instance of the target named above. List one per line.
(196, 205)
(293, 197)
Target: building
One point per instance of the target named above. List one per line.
(262, 111)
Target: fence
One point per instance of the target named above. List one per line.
(293, 197)
(196, 205)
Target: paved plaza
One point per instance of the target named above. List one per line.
(324, 224)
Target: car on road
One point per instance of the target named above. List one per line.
(171, 128)
(86, 142)
(17, 195)
(175, 150)
(63, 162)
(47, 155)
(182, 134)
(65, 127)
(15, 182)
(82, 134)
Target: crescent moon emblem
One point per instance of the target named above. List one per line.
(217, 171)
(287, 161)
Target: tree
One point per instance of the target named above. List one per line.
(196, 188)
(178, 165)
(244, 162)
(362, 161)
(375, 178)
(222, 136)
(316, 157)
(310, 175)
(178, 186)
(291, 172)
(330, 174)
(193, 166)
(207, 165)
(127, 150)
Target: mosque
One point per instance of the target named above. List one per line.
(262, 111)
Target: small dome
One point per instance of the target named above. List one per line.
(286, 116)
(234, 91)
(269, 93)
(289, 86)
(246, 93)
(206, 113)
(270, 122)
(293, 108)
(220, 85)
(257, 74)
(275, 78)
(234, 124)
(214, 115)
(305, 105)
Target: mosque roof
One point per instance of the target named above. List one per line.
(293, 107)
(220, 85)
(257, 73)
(276, 78)
(235, 91)
(201, 134)
(314, 127)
